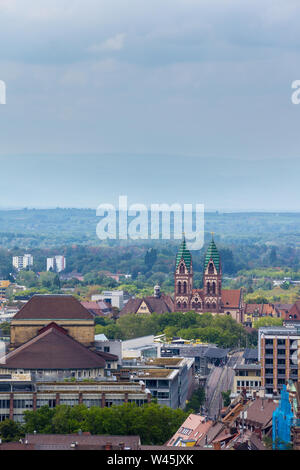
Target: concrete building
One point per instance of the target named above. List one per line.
(140, 348)
(20, 392)
(22, 262)
(278, 352)
(204, 355)
(170, 380)
(247, 377)
(113, 297)
(111, 346)
(56, 263)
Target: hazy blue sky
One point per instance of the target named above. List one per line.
(162, 100)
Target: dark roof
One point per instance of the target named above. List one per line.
(64, 441)
(217, 353)
(56, 307)
(192, 351)
(163, 304)
(52, 349)
(251, 354)
(16, 446)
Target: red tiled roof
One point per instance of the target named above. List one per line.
(294, 313)
(56, 307)
(231, 298)
(52, 349)
(261, 411)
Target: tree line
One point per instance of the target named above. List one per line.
(155, 424)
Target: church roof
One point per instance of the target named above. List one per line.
(163, 304)
(212, 253)
(183, 253)
(53, 307)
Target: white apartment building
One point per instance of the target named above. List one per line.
(22, 262)
(113, 297)
(56, 263)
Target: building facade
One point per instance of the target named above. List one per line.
(19, 392)
(41, 310)
(212, 298)
(56, 263)
(22, 262)
(279, 356)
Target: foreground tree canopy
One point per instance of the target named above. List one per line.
(221, 330)
(154, 423)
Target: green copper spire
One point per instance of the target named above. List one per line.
(212, 253)
(183, 253)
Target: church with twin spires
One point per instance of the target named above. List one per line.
(212, 298)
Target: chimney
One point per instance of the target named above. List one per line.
(217, 445)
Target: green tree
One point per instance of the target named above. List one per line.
(226, 397)
(10, 430)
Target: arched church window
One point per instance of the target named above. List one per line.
(179, 287)
(214, 305)
(178, 304)
(208, 288)
(184, 304)
(193, 305)
(214, 288)
(184, 287)
(207, 305)
(181, 269)
(211, 268)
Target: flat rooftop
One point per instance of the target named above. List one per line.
(280, 330)
(247, 367)
(165, 361)
(152, 373)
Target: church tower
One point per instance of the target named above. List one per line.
(183, 278)
(212, 279)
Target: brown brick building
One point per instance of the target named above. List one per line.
(212, 298)
(64, 310)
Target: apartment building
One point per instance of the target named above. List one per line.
(56, 263)
(278, 350)
(247, 377)
(22, 262)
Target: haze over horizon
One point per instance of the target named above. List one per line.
(179, 101)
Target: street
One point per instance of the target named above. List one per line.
(220, 380)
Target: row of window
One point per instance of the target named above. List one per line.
(247, 383)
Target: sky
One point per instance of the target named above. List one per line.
(183, 101)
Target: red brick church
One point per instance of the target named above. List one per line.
(212, 298)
